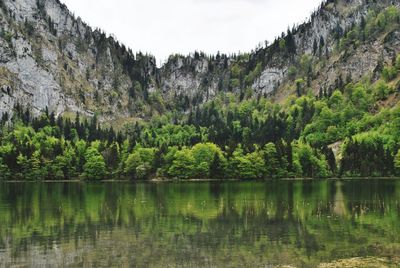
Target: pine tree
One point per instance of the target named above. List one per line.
(216, 167)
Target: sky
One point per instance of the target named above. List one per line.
(165, 27)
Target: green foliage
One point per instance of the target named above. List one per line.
(292, 72)
(376, 151)
(204, 160)
(235, 71)
(397, 62)
(5, 172)
(218, 167)
(251, 77)
(95, 167)
(235, 83)
(306, 64)
(275, 167)
(282, 44)
(204, 155)
(300, 84)
(139, 163)
(171, 135)
(64, 166)
(309, 163)
(373, 25)
(247, 166)
(336, 101)
(397, 162)
(351, 38)
(389, 73)
(246, 137)
(360, 97)
(30, 167)
(382, 90)
(183, 165)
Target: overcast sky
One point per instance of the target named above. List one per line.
(164, 27)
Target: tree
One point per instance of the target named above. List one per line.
(217, 167)
(64, 166)
(311, 164)
(95, 167)
(299, 87)
(321, 45)
(381, 90)
(5, 172)
(247, 166)
(204, 155)
(272, 167)
(23, 165)
(37, 171)
(183, 165)
(336, 101)
(139, 163)
(112, 158)
(80, 150)
(389, 73)
(397, 162)
(315, 47)
(397, 62)
(368, 154)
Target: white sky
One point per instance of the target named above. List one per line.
(164, 27)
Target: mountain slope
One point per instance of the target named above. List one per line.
(49, 58)
(320, 101)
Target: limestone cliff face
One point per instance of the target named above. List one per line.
(49, 58)
(23, 79)
(355, 62)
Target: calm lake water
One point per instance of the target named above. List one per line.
(205, 224)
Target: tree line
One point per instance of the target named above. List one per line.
(224, 138)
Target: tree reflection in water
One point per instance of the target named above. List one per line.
(228, 224)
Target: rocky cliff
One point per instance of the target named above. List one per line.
(49, 58)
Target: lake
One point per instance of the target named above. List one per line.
(201, 224)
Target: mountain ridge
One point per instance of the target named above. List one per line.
(51, 59)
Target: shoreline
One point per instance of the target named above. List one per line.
(199, 180)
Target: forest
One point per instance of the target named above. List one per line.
(225, 138)
(351, 130)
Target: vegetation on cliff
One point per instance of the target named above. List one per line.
(225, 138)
(351, 128)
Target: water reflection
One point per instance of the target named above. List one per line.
(213, 224)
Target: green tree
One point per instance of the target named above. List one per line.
(112, 158)
(23, 165)
(95, 167)
(217, 167)
(381, 90)
(397, 63)
(64, 166)
(272, 165)
(397, 162)
(183, 165)
(37, 171)
(389, 73)
(311, 164)
(5, 172)
(139, 163)
(247, 166)
(203, 154)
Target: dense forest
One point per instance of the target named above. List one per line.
(352, 129)
(225, 138)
